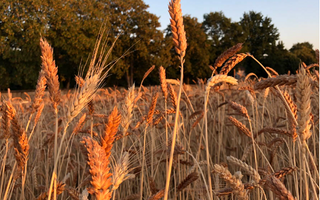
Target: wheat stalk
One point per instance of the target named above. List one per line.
(211, 82)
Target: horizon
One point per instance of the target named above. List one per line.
(296, 24)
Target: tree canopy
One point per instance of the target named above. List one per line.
(72, 27)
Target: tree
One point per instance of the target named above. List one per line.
(70, 26)
(261, 37)
(304, 51)
(72, 30)
(139, 35)
(281, 60)
(20, 26)
(221, 32)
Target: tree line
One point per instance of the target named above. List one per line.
(72, 27)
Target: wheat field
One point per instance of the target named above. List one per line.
(220, 138)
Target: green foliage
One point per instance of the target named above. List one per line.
(281, 60)
(222, 33)
(72, 26)
(260, 39)
(304, 51)
(139, 34)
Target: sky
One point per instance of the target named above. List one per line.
(296, 20)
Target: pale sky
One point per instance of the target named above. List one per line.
(296, 20)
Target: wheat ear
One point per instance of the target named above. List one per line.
(83, 96)
(111, 129)
(60, 188)
(278, 188)
(152, 109)
(180, 40)
(236, 184)
(233, 61)
(51, 72)
(239, 108)
(19, 136)
(187, 181)
(177, 27)
(157, 196)
(163, 82)
(246, 167)
(225, 55)
(6, 122)
(173, 96)
(241, 127)
(120, 171)
(279, 80)
(292, 118)
(99, 169)
(128, 108)
(79, 124)
(218, 79)
(303, 94)
(39, 93)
